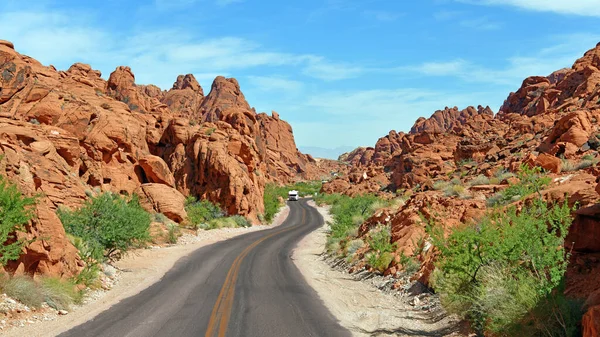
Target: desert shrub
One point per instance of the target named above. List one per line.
(200, 212)
(240, 221)
(108, 225)
(271, 200)
(440, 185)
(353, 246)
(348, 214)
(586, 163)
(503, 174)
(455, 190)
(60, 294)
(410, 264)
(497, 271)
(588, 157)
(531, 181)
(480, 180)
(381, 247)
(23, 289)
(15, 211)
(173, 232)
(567, 166)
(159, 217)
(379, 261)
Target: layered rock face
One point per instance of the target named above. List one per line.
(551, 122)
(67, 133)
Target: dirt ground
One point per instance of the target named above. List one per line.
(359, 306)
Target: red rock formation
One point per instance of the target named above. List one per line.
(548, 120)
(67, 132)
(185, 98)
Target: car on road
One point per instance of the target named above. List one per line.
(293, 195)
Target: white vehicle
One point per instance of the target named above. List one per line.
(293, 195)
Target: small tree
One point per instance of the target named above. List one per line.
(108, 224)
(15, 212)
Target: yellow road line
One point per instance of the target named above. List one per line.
(222, 309)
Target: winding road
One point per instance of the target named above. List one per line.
(247, 286)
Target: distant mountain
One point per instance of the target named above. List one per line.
(327, 153)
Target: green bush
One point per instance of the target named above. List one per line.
(381, 248)
(530, 181)
(24, 290)
(497, 271)
(480, 180)
(440, 185)
(201, 212)
(271, 200)
(107, 225)
(173, 232)
(240, 221)
(15, 212)
(60, 294)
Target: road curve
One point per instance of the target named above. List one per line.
(247, 286)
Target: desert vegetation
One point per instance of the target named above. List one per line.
(203, 214)
(274, 193)
(499, 271)
(15, 211)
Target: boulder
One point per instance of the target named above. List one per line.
(163, 199)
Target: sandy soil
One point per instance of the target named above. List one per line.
(141, 269)
(359, 306)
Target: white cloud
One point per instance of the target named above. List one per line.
(577, 7)
(319, 67)
(565, 50)
(62, 38)
(274, 83)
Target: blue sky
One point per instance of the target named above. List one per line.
(342, 72)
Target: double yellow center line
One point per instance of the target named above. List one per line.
(222, 309)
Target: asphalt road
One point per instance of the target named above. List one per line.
(247, 286)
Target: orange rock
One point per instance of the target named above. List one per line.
(163, 199)
(591, 322)
(548, 162)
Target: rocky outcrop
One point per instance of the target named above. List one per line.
(64, 134)
(159, 198)
(185, 98)
(450, 164)
(449, 119)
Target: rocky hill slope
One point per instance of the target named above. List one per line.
(65, 134)
(551, 122)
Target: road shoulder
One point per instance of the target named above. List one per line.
(360, 307)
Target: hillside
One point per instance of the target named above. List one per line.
(453, 167)
(67, 134)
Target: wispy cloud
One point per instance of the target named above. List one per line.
(578, 7)
(275, 83)
(319, 67)
(565, 50)
(54, 37)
